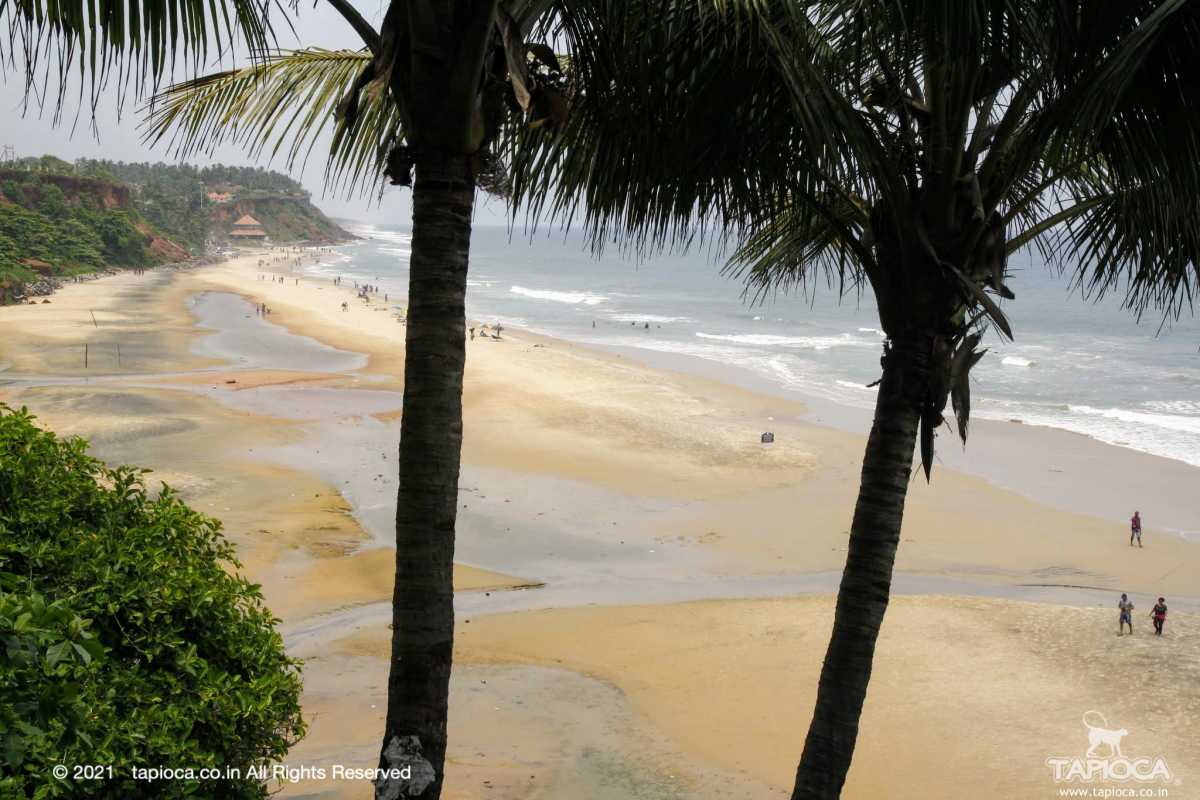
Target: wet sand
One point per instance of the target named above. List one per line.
(615, 522)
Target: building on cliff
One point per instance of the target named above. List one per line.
(248, 229)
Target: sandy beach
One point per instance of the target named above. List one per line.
(645, 590)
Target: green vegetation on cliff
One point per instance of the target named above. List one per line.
(57, 222)
(79, 234)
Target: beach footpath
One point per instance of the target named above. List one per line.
(645, 590)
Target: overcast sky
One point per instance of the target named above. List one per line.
(118, 138)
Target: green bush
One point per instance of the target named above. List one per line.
(125, 638)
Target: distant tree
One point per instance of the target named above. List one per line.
(94, 169)
(52, 202)
(54, 165)
(124, 244)
(13, 192)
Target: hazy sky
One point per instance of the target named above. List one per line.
(119, 139)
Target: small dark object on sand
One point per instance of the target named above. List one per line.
(768, 438)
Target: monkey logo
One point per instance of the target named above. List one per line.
(1104, 761)
(1102, 735)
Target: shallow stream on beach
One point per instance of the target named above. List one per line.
(247, 339)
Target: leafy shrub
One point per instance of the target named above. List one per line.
(124, 639)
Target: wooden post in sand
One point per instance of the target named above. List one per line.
(94, 323)
(118, 355)
(85, 354)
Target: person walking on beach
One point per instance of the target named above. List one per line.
(1159, 615)
(1126, 618)
(1135, 529)
(472, 330)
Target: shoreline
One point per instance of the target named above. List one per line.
(994, 452)
(628, 527)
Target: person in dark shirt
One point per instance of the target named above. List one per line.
(1159, 615)
(1135, 529)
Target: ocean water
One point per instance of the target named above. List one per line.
(1087, 367)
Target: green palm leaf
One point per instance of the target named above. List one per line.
(281, 107)
(138, 40)
(673, 126)
(811, 233)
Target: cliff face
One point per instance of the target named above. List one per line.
(104, 193)
(161, 249)
(285, 219)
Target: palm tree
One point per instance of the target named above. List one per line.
(429, 92)
(911, 145)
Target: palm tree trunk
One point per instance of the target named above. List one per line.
(867, 577)
(430, 445)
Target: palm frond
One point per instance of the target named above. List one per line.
(1112, 134)
(280, 107)
(140, 41)
(1143, 241)
(680, 122)
(809, 237)
(968, 118)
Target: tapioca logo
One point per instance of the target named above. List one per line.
(1104, 761)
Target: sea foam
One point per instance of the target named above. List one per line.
(648, 318)
(573, 298)
(801, 342)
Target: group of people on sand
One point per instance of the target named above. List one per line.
(363, 292)
(483, 331)
(1125, 605)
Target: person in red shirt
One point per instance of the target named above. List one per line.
(1159, 615)
(1135, 529)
